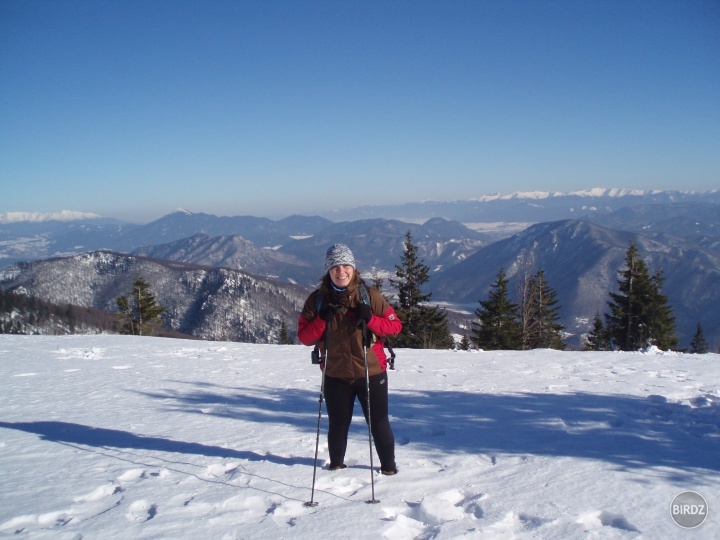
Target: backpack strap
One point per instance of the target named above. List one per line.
(364, 294)
(319, 299)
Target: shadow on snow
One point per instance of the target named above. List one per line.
(70, 433)
(629, 431)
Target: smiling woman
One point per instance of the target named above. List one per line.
(338, 317)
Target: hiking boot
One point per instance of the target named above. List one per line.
(337, 467)
(389, 472)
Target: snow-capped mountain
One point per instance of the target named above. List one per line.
(533, 207)
(589, 193)
(36, 217)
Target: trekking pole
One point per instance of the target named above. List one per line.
(312, 502)
(363, 326)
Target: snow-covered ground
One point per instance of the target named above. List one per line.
(117, 437)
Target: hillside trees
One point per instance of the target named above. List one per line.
(284, 336)
(640, 314)
(424, 326)
(698, 344)
(139, 309)
(538, 314)
(532, 323)
(22, 314)
(597, 339)
(497, 327)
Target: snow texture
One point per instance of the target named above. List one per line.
(118, 437)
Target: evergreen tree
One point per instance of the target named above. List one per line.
(424, 326)
(597, 339)
(660, 329)
(464, 343)
(284, 334)
(377, 283)
(639, 314)
(624, 320)
(435, 331)
(698, 344)
(539, 315)
(126, 315)
(140, 312)
(497, 327)
(70, 318)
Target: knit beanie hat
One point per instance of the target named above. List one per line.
(337, 255)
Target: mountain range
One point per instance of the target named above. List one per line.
(532, 207)
(580, 247)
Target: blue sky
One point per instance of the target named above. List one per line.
(134, 108)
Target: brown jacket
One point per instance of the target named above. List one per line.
(345, 354)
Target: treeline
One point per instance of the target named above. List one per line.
(21, 314)
(638, 316)
(28, 315)
(531, 323)
(499, 324)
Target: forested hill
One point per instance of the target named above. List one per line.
(205, 302)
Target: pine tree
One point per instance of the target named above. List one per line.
(661, 321)
(597, 339)
(140, 312)
(639, 314)
(539, 315)
(424, 326)
(435, 331)
(498, 327)
(464, 343)
(698, 344)
(70, 318)
(377, 283)
(623, 321)
(284, 340)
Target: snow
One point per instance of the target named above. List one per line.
(498, 226)
(125, 437)
(590, 193)
(35, 217)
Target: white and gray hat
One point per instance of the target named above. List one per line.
(338, 254)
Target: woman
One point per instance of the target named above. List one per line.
(337, 308)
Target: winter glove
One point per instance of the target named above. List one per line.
(363, 312)
(328, 312)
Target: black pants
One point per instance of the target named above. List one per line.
(340, 398)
